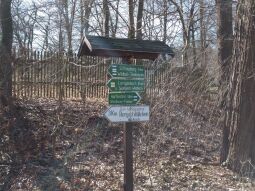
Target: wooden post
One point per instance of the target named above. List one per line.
(128, 157)
(128, 150)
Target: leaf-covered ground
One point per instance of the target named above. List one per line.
(75, 148)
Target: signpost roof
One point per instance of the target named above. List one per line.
(123, 47)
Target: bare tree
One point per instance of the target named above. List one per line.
(165, 20)
(192, 30)
(240, 108)
(106, 18)
(202, 33)
(139, 19)
(131, 30)
(225, 37)
(45, 45)
(67, 9)
(114, 21)
(187, 21)
(82, 20)
(24, 22)
(87, 9)
(6, 51)
(60, 35)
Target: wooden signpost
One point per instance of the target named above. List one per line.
(127, 81)
(126, 84)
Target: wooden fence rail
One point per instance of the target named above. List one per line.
(54, 75)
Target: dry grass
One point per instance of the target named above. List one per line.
(177, 149)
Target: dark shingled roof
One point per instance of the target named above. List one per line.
(117, 47)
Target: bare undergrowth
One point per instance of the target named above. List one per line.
(75, 148)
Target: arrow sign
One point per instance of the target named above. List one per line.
(128, 113)
(126, 85)
(123, 98)
(126, 71)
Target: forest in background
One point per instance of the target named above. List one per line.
(186, 25)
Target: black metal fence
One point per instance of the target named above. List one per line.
(54, 75)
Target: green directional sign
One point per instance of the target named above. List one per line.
(126, 71)
(119, 85)
(123, 98)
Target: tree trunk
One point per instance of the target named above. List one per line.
(60, 36)
(5, 51)
(139, 34)
(225, 44)
(69, 21)
(46, 38)
(116, 22)
(131, 31)
(202, 34)
(185, 28)
(194, 51)
(240, 107)
(191, 34)
(87, 5)
(81, 20)
(225, 35)
(165, 21)
(106, 13)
